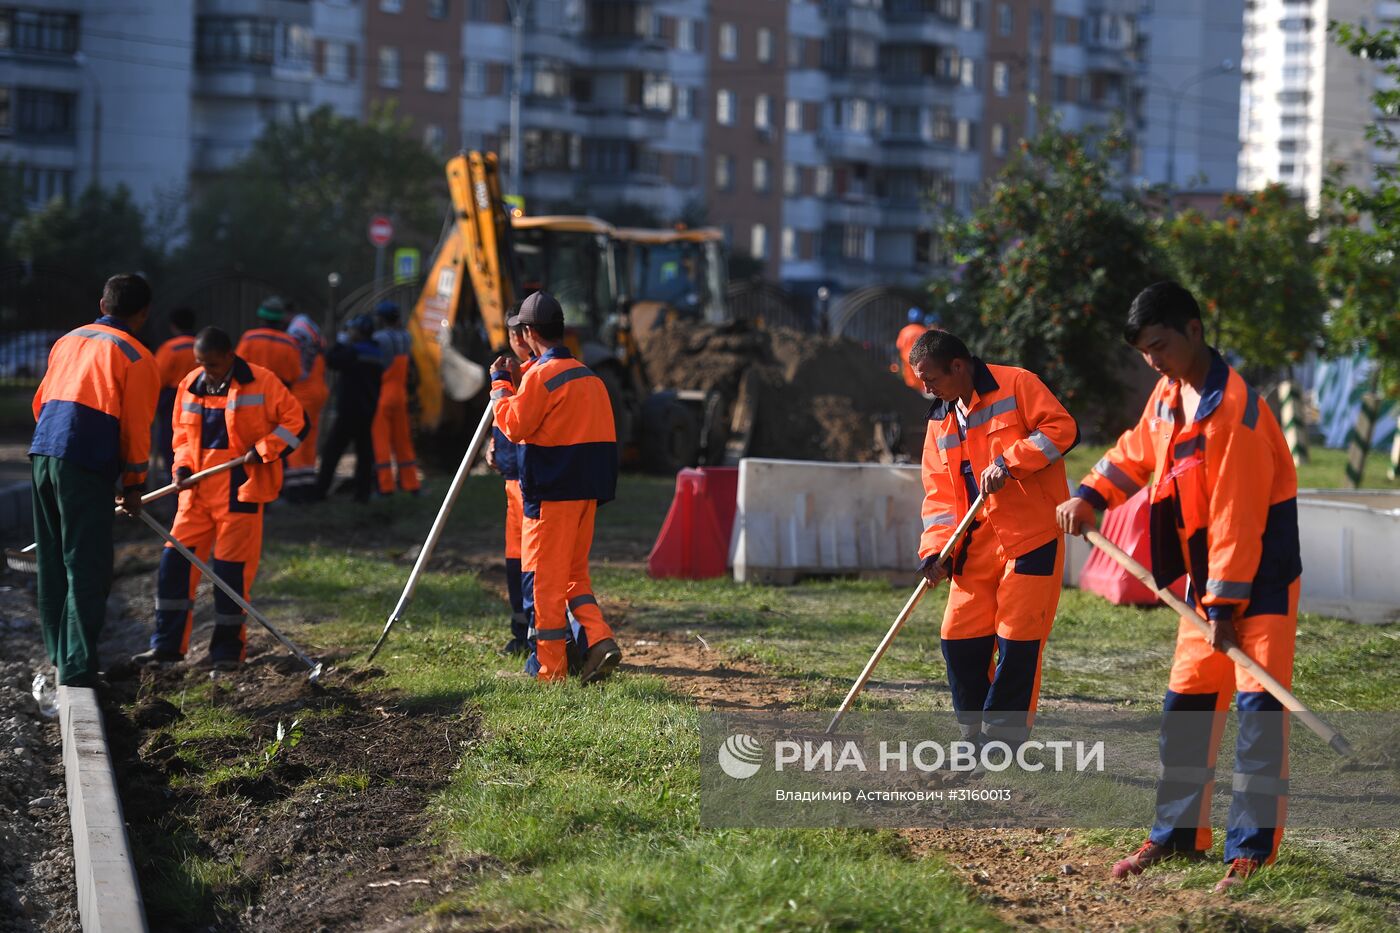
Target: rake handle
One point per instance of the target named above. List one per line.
(904, 614)
(1281, 693)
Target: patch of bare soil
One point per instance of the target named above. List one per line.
(691, 667)
(323, 831)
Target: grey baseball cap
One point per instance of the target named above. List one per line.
(538, 308)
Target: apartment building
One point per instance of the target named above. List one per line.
(1306, 102)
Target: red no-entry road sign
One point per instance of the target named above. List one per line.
(381, 230)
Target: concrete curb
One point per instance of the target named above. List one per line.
(108, 896)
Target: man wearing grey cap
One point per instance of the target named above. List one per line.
(560, 415)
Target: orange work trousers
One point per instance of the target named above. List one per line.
(393, 445)
(515, 516)
(209, 522)
(299, 470)
(555, 580)
(999, 615)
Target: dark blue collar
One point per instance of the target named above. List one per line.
(1213, 392)
(108, 320)
(983, 382)
(242, 374)
(560, 352)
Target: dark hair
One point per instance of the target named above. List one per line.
(549, 330)
(939, 346)
(1163, 303)
(183, 318)
(126, 295)
(213, 340)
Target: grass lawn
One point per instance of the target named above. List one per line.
(587, 801)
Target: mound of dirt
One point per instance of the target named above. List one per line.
(819, 398)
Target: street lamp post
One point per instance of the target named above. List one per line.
(1225, 67)
(518, 9)
(96, 167)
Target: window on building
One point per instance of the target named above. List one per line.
(1037, 25)
(228, 40)
(724, 172)
(789, 244)
(762, 112)
(620, 19)
(685, 103)
(725, 105)
(41, 114)
(39, 32)
(388, 66)
(433, 138)
(971, 14)
(942, 124)
(763, 48)
(854, 238)
(547, 78)
(967, 74)
(335, 62)
(967, 135)
(391, 6)
(1001, 78)
(761, 180)
(7, 125)
(437, 9)
(858, 115)
(1063, 31)
(683, 170)
(1285, 169)
(792, 180)
(1005, 21)
(474, 78)
(821, 181)
(793, 117)
(1288, 145)
(434, 71)
(758, 241)
(794, 51)
(657, 93)
(685, 34)
(998, 139)
(728, 41)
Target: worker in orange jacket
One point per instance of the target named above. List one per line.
(393, 437)
(174, 358)
(311, 391)
(269, 346)
(1224, 510)
(504, 458)
(92, 416)
(229, 409)
(560, 413)
(996, 430)
(904, 342)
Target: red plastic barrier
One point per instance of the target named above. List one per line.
(694, 540)
(1127, 527)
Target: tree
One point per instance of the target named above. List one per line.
(1254, 270)
(102, 233)
(1361, 257)
(1049, 265)
(296, 207)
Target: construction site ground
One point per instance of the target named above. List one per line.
(440, 788)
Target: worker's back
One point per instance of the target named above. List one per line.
(361, 367)
(272, 349)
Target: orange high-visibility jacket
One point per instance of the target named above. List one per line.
(258, 412)
(1224, 506)
(562, 418)
(1015, 421)
(97, 401)
(272, 349)
(908, 336)
(174, 360)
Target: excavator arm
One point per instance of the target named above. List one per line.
(475, 246)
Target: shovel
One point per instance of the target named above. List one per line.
(904, 614)
(24, 561)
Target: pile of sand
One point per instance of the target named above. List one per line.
(819, 397)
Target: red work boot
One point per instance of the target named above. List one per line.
(1237, 874)
(1149, 854)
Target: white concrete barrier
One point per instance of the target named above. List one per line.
(798, 517)
(1351, 553)
(108, 896)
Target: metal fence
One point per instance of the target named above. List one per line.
(764, 304)
(874, 316)
(37, 306)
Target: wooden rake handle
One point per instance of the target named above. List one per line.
(1281, 693)
(905, 613)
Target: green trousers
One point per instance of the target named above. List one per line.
(73, 527)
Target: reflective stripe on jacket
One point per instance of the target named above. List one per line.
(562, 416)
(174, 360)
(272, 349)
(1013, 420)
(258, 412)
(97, 400)
(1224, 506)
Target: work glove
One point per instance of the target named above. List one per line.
(933, 570)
